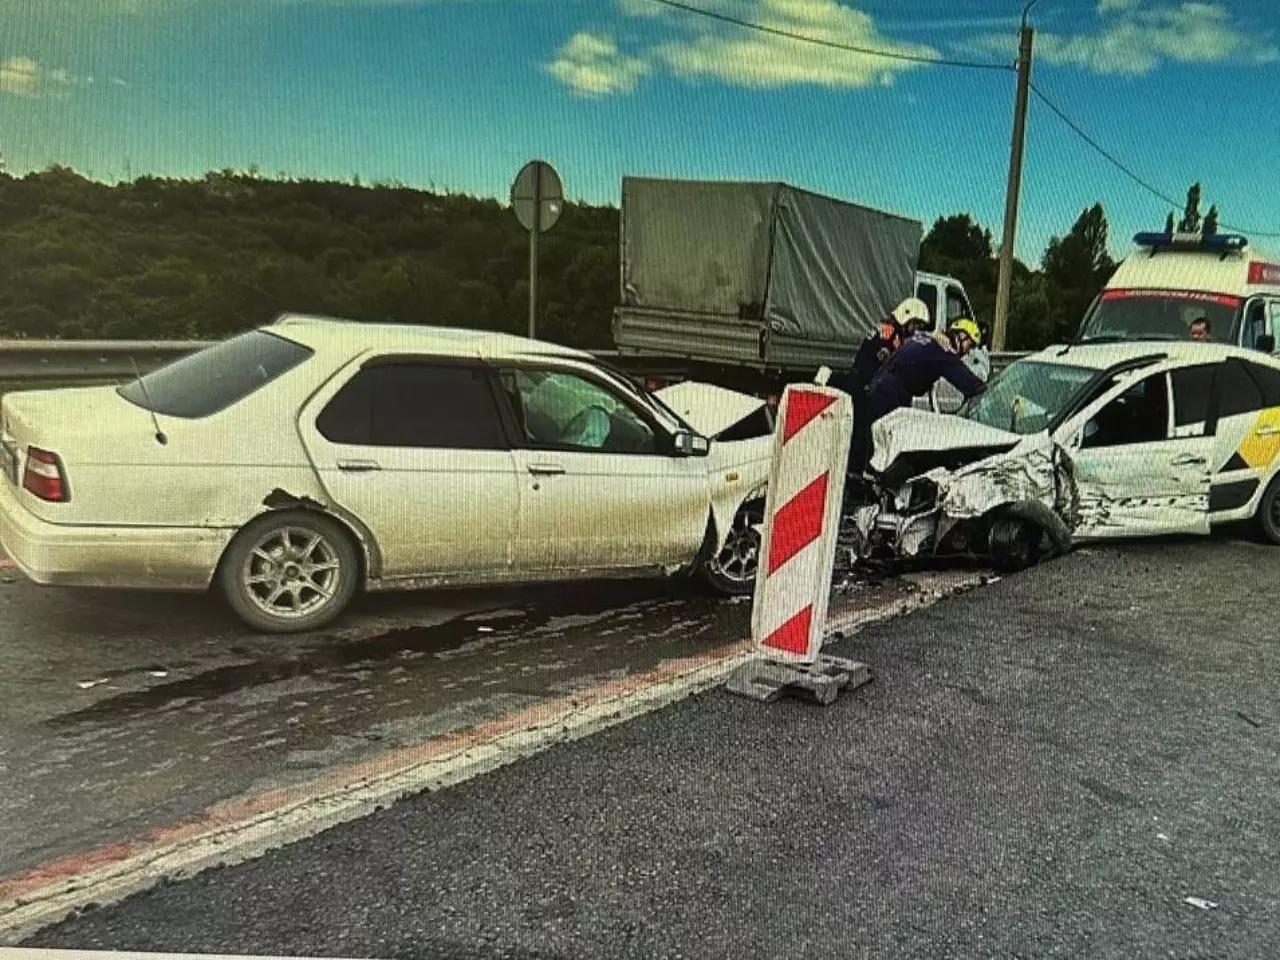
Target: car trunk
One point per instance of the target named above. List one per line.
(87, 447)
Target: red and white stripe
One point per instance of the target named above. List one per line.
(802, 517)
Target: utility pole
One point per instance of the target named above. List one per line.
(1026, 37)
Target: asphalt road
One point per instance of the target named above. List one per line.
(1049, 766)
(122, 712)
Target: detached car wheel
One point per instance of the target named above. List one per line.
(1013, 544)
(289, 572)
(732, 570)
(1269, 512)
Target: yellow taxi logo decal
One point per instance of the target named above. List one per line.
(1262, 444)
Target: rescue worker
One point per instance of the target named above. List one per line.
(872, 355)
(920, 363)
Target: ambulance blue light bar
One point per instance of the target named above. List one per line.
(1214, 243)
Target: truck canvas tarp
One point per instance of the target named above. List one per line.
(756, 274)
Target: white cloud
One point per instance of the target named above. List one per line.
(703, 49)
(591, 65)
(1137, 37)
(754, 59)
(20, 76)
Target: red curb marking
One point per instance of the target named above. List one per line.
(793, 636)
(803, 407)
(798, 523)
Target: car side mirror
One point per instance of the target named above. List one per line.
(1267, 343)
(691, 445)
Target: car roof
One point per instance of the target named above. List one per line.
(321, 332)
(1103, 356)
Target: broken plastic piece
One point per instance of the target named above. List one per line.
(86, 684)
(1201, 904)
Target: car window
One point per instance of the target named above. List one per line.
(1273, 318)
(1192, 389)
(1237, 392)
(1255, 324)
(214, 378)
(1139, 415)
(1268, 381)
(415, 405)
(559, 409)
(929, 294)
(956, 306)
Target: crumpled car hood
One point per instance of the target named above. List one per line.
(709, 409)
(909, 431)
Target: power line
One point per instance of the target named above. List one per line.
(1125, 169)
(832, 44)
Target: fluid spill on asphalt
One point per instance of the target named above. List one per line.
(630, 615)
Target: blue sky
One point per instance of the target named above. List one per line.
(457, 94)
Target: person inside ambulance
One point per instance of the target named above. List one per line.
(920, 363)
(1200, 329)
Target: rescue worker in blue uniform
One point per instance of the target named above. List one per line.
(871, 356)
(920, 363)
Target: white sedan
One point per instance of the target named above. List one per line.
(297, 463)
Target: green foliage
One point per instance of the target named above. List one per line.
(163, 259)
(188, 259)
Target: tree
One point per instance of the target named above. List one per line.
(957, 246)
(1191, 215)
(1076, 267)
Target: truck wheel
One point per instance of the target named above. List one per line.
(1013, 544)
(290, 571)
(732, 571)
(1268, 515)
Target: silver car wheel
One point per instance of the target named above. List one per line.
(291, 572)
(739, 558)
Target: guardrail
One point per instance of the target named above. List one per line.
(45, 360)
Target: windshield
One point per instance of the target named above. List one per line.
(1122, 315)
(1027, 396)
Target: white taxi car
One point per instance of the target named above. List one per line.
(1081, 443)
(299, 462)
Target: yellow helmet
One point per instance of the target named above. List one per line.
(965, 325)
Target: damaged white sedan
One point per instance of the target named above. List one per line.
(295, 464)
(1077, 444)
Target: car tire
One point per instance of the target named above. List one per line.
(290, 571)
(1013, 544)
(731, 571)
(1268, 515)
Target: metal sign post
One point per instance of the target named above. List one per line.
(537, 197)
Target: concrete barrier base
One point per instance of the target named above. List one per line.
(820, 682)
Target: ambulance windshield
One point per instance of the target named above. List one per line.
(1121, 315)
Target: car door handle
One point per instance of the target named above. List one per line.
(1267, 431)
(1187, 460)
(545, 469)
(358, 466)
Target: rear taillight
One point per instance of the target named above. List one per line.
(44, 476)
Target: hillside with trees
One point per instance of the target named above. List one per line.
(177, 259)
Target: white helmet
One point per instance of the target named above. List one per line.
(911, 310)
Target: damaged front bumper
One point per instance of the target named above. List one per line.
(951, 513)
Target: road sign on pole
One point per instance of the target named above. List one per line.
(537, 197)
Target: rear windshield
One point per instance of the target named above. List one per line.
(216, 377)
(1159, 315)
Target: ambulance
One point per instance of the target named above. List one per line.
(1174, 280)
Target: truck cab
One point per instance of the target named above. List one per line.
(1175, 280)
(945, 297)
